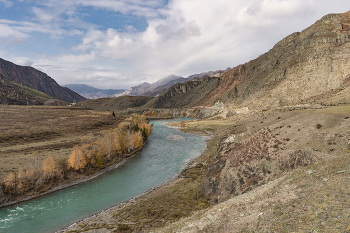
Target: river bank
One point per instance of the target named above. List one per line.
(149, 208)
(88, 160)
(160, 161)
(82, 179)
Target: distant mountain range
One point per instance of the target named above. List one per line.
(163, 84)
(149, 88)
(90, 92)
(27, 85)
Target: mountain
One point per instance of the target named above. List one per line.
(160, 89)
(90, 92)
(136, 90)
(217, 73)
(146, 87)
(26, 79)
(14, 94)
(311, 66)
(163, 84)
(304, 66)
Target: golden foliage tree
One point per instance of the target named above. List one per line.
(77, 159)
(50, 168)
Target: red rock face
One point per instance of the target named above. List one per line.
(345, 27)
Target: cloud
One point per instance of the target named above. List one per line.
(267, 12)
(23, 61)
(24, 29)
(183, 37)
(188, 29)
(7, 3)
(8, 31)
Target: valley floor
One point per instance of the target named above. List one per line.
(308, 199)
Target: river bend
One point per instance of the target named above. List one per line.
(160, 161)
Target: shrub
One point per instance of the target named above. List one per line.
(318, 126)
(123, 227)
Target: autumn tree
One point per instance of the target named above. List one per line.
(77, 159)
(10, 183)
(50, 168)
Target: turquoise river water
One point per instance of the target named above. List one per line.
(160, 161)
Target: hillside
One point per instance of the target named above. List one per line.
(14, 94)
(90, 92)
(115, 104)
(26, 76)
(315, 59)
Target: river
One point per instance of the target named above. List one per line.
(160, 161)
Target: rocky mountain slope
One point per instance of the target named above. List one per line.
(163, 84)
(90, 92)
(316, 59)
(25, 76)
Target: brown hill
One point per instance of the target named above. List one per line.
(29, 77)
(14, 94)
(115, 104)
(300, 67)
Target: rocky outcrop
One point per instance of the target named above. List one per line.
(186, 94)
(245, 161)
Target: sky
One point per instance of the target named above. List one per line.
(116, 44)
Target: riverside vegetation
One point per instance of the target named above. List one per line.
(89, 157)
(281, 165)
(306, 163)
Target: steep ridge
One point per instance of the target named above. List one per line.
(160, 89)
(29, 77)
(299, 67)
(184, 94)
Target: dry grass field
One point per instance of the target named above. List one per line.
(29, 132)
